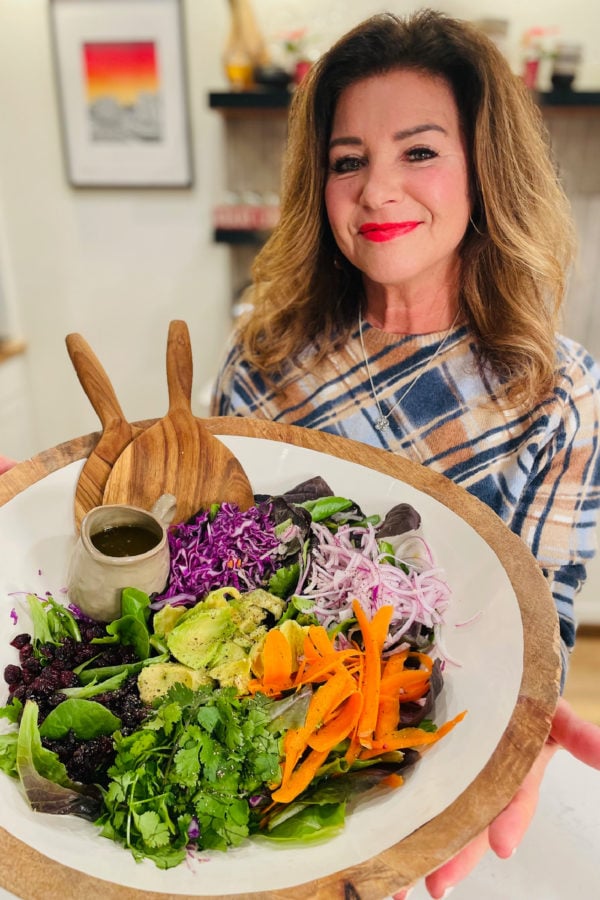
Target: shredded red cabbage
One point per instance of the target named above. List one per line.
(235, 549)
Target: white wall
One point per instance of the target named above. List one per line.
(117, 265)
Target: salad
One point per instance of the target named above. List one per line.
(289, 667)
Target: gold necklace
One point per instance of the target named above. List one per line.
(383, 422)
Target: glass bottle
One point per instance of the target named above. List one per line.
(245, 48)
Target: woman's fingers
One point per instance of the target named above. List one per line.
(580, 738)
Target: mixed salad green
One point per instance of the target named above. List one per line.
(184, 724)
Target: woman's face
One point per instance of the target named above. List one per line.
(397, 190)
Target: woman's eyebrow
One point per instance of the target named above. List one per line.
(418, 129)
(398, 135)
(353, 141)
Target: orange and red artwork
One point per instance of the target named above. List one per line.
(122, 86)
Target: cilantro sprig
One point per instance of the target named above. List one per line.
(186, 777)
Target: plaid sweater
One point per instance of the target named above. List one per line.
(539, 470)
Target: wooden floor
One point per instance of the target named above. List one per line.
(582, 689)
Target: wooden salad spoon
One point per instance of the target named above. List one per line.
(178, 455)
(116, 434)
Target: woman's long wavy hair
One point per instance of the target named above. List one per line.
(515, 254)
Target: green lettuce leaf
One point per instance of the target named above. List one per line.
(85, 718)
(44, 778)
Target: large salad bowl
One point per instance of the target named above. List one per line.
(499, 638)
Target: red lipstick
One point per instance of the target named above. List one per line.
(385, 231)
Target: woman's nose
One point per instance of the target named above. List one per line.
(380, 186)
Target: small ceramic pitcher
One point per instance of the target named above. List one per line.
(96, 579)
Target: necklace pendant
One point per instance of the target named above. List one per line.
(381, 424)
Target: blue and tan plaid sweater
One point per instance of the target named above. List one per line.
(539, 470)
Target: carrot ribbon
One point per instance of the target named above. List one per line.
(356, 698)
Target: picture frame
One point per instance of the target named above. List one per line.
(120, 73)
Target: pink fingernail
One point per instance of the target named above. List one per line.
(403, 895)
(447, 892)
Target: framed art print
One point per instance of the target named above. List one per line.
(122, 91)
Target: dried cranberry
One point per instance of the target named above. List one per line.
(13, 675)
(20, 640)
(68, 679)
(32, 666)
(25, 652)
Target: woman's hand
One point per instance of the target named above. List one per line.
(503, 835)
(6, 464)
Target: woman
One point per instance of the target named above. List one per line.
(410, 296)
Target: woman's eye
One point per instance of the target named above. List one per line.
(346, 164)
(418, 154)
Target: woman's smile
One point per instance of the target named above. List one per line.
(386, 231)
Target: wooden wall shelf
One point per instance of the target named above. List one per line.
(257, 100)
(270, 99)
(572, 99)
(239, 236)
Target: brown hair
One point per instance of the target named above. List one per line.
(514, 256)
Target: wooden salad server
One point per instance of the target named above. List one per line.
(178, 455)
(116, 433)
